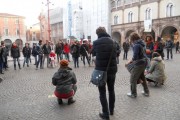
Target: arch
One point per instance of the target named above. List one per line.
(117, 37)
(128, 33)
(170, 32)
(19, 43)
(8, 43)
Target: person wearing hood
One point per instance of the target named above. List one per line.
(65, 81)
(15, 54)
(137, 72)
(156, 72)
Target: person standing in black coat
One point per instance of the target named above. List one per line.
(26, 53)
(177, 47)
(169, 47)
(75, 54)
(46, 51)
(59, 50)
(84, 51)
(102, 49)
(126, 49)
(1, 59)
(15, 54)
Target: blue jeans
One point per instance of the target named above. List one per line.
(39, 61)
(26, 60)
(76, 62)
(102, 95)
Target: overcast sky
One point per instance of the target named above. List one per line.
(27, 8)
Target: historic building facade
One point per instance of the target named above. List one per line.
(12, 29)
(129, 16)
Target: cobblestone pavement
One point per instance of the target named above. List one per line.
(27, 94)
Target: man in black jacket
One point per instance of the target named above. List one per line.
(26, 53)
(169, 46)
(84, 51)
(46, 51)
(102, 49)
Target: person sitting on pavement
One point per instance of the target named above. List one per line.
(156, 72)
(65, 81)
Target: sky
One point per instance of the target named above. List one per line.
(30, 9)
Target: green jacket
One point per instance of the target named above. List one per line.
(64, 80)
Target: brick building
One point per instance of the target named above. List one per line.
(12, 29)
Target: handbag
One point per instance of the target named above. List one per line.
(98, 77)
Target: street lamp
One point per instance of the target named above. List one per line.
(49, 29)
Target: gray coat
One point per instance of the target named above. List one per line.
(156, 70)
(64, 80)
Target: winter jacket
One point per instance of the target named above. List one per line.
(75, 51)
(64, 79)
(102, 48)
(15, 52)
(26, 52)
(169, 44)
(139, 52)
(156, 70)
(39, 50)
(46, 49)
(34, 51)
(66, 49)
(126, 46)
(84, 50)
(59, 48)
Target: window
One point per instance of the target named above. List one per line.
(169, 10)
(6, 21)
(130, 17)
(6, 31)
(115, 20)
(17, 21)
(148, 14)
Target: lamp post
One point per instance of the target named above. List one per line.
(49, 29)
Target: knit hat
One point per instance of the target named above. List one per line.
(64, 63)
(100, 30)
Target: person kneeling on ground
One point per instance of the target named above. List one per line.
(156, 72)
(65, 81)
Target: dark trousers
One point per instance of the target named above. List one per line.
(87, 58)
(76, 61)
(1, 64)
(67, 56)
(5, 63)
(169, 51)
(59, 57)
(125, 55)
(39, 61)
(103, 99)
(137, 73)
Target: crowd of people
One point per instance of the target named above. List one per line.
(147, 64)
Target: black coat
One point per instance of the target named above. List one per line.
(59, 48)
(102, 49)
(26, 52)
(75, 51)
(46, 49)
(84, 50)
(15, 52)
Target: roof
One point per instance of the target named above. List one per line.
(10, 15)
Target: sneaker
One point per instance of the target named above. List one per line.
(145, 94)
(131, 95)
(102, 116)
(111, 112)
(36, 68)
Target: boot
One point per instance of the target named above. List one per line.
(19, 66)
(14, 66)
(60, 102)
(71, 101)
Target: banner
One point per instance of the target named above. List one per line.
(147, 25)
